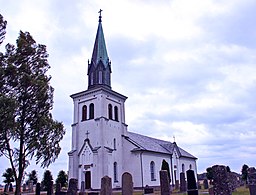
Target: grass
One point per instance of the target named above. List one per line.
(239, 191)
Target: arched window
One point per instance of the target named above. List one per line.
(91, 114)
(84, 113)
(152, 171)
(110, 115)
(114, 143)
(183, 168)
(115, 172)
(116, 113)
(190, 166)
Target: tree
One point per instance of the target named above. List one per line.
(26, 99)
(3, 24)
(32, 176)
(245, 172)
(165, 166)
(62, 178)
(8, 175)
(209, 174)
(47, 179)
(228, 169)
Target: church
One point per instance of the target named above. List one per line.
(101, 143)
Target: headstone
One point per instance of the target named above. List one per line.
(191, 183)
(106, 186)
(38, 188)
(10, 188)
(82, 189)
(24, 187)
(206, 185)
(127, 184)
(164, 182)
(6, 188)
(50, 189)
(30, 186)
(252, 180)
(148, 190)
(220, 180)
(183, 187)
(211, 191)
(58, 189)
(72, 187)
(177, 185)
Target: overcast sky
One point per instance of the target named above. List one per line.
(188, 68)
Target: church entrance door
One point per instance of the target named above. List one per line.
(87, 179)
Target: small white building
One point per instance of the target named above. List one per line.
(101, 143)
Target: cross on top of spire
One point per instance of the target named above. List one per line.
(100, 15)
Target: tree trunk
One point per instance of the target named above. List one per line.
(18, 187)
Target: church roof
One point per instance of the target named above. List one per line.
(99, 49)
(145, 143)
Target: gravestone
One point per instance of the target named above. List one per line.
(191, 183)
(211, 191)
(127, 184)
(177, 185)
(24, 187)
(183, 187)
(10, 188)
(148, 190)
(106, 186)
(50, 189)
(206, 185)
(82, 190)
(164, 182)
(30, 186)
(38, 186)
(58, 189)
(72, 187)
(6, 188)
(220, 180)
(252, 180)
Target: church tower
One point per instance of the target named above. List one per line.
(98, 123)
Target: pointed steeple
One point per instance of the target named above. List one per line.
(99, 68)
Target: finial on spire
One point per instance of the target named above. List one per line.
(174, 138)
(100, 15)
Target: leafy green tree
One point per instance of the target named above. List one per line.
(26, 99)
(165, 166)
(62, 178)
(8, 175)
(209, 174)
(47, 179)
(3, 24)
(245, 172)
(32, 176)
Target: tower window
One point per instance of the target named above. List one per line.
(190, 166)
(115, 172)
(100, 77)
(152, 171)
(183, 168)
(110, 115)
(84, 113)
(114, 143)
(116, 113)
(91, 114)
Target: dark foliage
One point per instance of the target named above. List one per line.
(46, 182)
(62, 178)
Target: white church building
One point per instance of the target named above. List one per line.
(101, 142)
